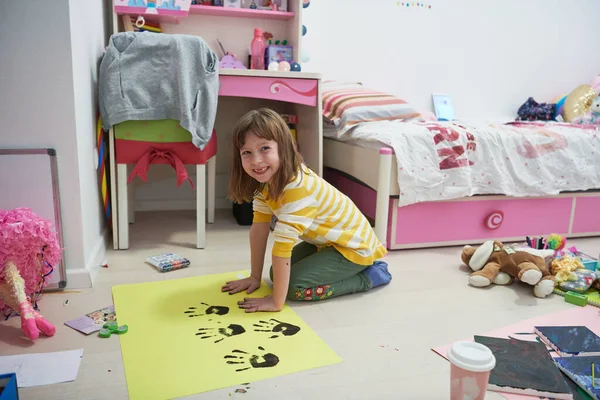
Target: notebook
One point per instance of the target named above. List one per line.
(525, 368)
(570, 341)
(579, 369)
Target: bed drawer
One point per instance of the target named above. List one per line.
(478, 220)
(587, 215)
(300, 91)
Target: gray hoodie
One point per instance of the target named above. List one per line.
(153, 76)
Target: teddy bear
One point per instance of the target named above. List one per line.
(492, 262)
(592, 116)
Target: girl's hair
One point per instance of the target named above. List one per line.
(269, 125)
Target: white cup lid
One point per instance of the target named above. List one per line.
(472, 356)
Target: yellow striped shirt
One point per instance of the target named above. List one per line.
(314, 211)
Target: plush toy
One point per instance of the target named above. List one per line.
(563, 268)
(571, 275)
(579, 102)
(29, 250)
(592, 116)
(492, 262)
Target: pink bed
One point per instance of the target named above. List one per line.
(428, 184)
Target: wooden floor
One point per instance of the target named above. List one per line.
(428, 303)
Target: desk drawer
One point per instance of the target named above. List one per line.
(587, 215)
(300, 91)
(454, 221)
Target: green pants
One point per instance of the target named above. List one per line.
(324, 274)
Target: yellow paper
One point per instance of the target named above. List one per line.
(172, 350)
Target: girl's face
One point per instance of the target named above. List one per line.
(260, 158)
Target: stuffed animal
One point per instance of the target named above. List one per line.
(592, 116)
(571, 275)
(492, 262)
(29, 249)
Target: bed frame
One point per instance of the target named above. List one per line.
(369, 177)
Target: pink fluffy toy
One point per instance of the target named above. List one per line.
(28, 250)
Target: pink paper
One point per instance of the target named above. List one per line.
(584, 316)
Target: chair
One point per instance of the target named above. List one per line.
(142, 143)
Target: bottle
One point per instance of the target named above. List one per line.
(257, 49)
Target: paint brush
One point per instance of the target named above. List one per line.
(593, 377)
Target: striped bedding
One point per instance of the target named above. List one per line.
(346, 105)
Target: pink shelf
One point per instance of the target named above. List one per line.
(240, 12)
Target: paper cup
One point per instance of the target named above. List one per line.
(471, 364)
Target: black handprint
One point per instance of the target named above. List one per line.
(267, 360)
(231, 330)
(274, 325)
(219, 310)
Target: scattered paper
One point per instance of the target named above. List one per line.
(94, 321)
(42, 368)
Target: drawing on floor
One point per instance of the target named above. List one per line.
(247, 360)
(275, 326)
(218, 310)
(187, 337)
(220, 333)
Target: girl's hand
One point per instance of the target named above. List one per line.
(259, 304)
(251, 284)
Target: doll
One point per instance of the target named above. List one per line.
(29, 249)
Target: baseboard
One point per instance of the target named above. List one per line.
(175, 204)
(98, 257)
(78, 279)
(83, 278)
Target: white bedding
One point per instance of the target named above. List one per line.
(449, 160)
(331, 132)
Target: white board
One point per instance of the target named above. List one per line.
(29, 178)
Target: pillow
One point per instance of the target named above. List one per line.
(346, 105)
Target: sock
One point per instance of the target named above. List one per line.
(378, 273)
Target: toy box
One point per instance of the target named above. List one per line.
(278, 54)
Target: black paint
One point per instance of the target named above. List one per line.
(523, 365)
(266, 360)
(217, 310)
(276, 326)
(231, 330)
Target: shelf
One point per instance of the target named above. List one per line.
(268, 74)
(168, 16)
(240, 12)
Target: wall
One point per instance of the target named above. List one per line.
(89, 36)
(42, 106)
(490, 55)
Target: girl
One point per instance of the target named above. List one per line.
(339, 250)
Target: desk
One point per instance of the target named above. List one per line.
(301, 89)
